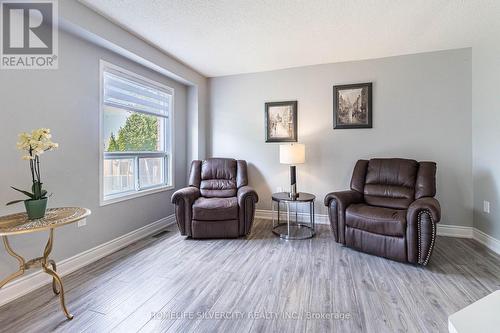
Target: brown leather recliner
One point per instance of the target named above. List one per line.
(390, 210)
(218, 202)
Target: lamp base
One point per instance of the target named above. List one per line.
(293, 192)
(293, 183)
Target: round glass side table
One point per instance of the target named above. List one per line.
(295, 229)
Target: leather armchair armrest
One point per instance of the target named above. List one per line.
(190, 193)
(183, 200)
(421, 218)
(247, 198)
(427, 204)
(244, 192)
(344, 197)
(337, 203)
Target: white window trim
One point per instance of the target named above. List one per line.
(103, 65)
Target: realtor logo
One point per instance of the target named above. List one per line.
(29, 34)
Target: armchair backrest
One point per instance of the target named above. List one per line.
(394, 182)
(218, 177)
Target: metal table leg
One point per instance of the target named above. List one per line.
(21, 260)
(313, 217)
(279, 212)
(296, 217)
(44, 262)
(272, 207)
(288, 217)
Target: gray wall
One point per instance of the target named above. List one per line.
(67, 101)
(422, 110)
(486, 134)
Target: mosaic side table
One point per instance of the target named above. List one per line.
(16, 224)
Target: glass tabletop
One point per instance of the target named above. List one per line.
(285, 196)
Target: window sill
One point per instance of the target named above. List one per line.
(119, 198)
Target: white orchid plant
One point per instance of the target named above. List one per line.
(33, 145)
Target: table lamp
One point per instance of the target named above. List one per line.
(293, 154)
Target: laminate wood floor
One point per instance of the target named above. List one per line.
(260, 284)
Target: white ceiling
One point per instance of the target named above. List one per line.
(223, 37)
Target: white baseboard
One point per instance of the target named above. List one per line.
(442, 229)
(488, 241)
(35, 280)
(454, 231)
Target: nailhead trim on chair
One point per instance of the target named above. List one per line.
(424, 262)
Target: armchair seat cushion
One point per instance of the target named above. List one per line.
(215, 209)
(377, 220)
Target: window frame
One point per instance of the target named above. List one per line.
(168, 153)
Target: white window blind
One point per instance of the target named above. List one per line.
(124, 93)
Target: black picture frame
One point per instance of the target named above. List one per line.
(368, 113)
(293, 137)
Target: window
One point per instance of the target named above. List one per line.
(136, 135)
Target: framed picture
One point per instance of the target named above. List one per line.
(352, 106)
(281, 121)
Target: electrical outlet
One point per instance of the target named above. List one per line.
(486, 206)
(82, 223)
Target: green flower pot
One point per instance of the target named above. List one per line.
(36, 208)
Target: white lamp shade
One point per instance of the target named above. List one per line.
(294, 153)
